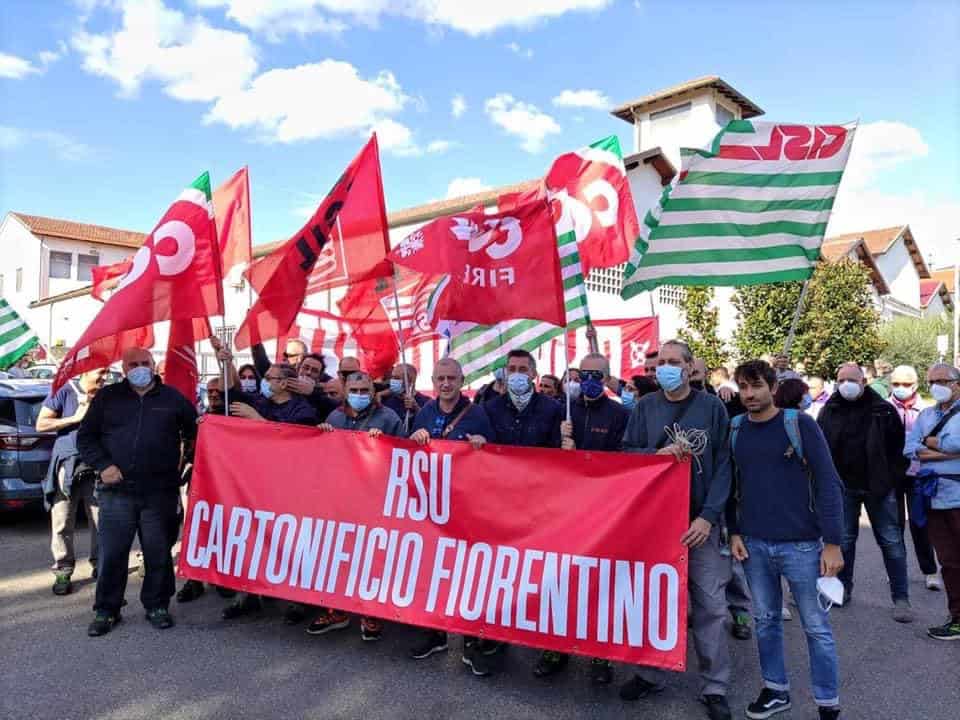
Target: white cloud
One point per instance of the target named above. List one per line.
(521, 119)
(14, 68)
(190, 58)
(881, 145)
(517, 50)
(582, 99)
(278, 18)
(465, 186)
(440, 146)
(396, 138)
(277, 104)
(47, 57)
(65, 147)
(458, 106)
(478, 18)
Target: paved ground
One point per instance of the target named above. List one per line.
(259, 668)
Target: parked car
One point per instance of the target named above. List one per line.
(42, 372)
(24, 453)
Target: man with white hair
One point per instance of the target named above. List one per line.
(908, 403)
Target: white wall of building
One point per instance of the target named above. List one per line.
(695, 127)
(901, 274)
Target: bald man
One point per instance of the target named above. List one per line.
(133, 435)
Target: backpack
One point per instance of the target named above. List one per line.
(791, 423)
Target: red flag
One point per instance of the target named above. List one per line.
(502, 266)
(345, 242)
(639, 339)
(323, 332)
(181, 358)
(231, 205)
(373, 329)
(175, 275)
(107, 277)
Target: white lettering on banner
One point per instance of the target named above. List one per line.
(489, 277)
(430, 474)
(619, 602)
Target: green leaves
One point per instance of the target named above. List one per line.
(701, 327)
(913, 341)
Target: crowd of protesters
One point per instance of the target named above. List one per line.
(775, 498)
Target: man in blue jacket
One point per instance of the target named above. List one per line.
(522, 416)
(134, 436)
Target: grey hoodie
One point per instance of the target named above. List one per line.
(709, 487)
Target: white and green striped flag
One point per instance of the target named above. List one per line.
(752, 209)
(16, 337)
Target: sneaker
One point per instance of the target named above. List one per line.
(902, 612)
(102, 624)
(160, 618)
(294, 614)
(431, 642)
(933, 582)
(327, 621)
(717, 707)
(62, 585)
(829, 713)
(948, 631)
(740, 628)
(637, 688)
(768, 704)
(476, 661)
(785, 613)
(371, 629)
(191, 590)
(246, 605)
(601, 672)
(550, 663)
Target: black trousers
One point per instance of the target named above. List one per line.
(151, 516)
(926, 558)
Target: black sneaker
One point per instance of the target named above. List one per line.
(550, 663)
(717, 707)
(950, 630)
(601, 672)
(768, 704)
(431, 642)
(246, 605)
(476, 661)
(294, 614)
(160, 618)
(829, 713)
(740, 629)
(637, 688)
(102, 624)
(62, 584)
(191, 590)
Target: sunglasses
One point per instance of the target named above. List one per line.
(591, 374)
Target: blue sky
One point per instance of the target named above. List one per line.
(110, 107)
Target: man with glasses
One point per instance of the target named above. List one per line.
(596, 423)
(310, 383)
(866, 440)
(935, 443)
(402, 397)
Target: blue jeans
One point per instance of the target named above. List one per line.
(885, 520)
(799, 563)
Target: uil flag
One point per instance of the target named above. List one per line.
(502, 266)
(107, 277)
(231, 206)
(345, 242)
(175, 275)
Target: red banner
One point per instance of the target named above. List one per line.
(570, 551)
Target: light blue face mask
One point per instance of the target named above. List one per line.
(248, 385)
(265, 389)
(396, 386)
(670, 377)
(358, 402)
(629, 399)
(140, 376)
(806, 401)
(518, 383)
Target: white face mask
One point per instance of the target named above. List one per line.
(832, 589)
(941, 393)
(850, 390)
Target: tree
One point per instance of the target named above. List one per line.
(839, 322)
(701, 327)
(913, 341)
(765, 314)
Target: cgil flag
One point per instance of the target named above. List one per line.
(16, 337)
(752, 209)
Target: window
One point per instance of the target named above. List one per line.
(60, 263)
(723, 115)
(19, 279)
(672, 295)
(671, 111)
(85, 265)
(606, 280)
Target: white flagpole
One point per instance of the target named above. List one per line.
(566, 372)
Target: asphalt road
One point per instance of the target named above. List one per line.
(260, 668)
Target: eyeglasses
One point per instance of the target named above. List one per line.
(274, 378)
(288, 356)
(942, 382)
(591, 374)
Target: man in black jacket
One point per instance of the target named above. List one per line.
(866, 439)
(133, 435)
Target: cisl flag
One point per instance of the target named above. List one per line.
(502, 266)
(345, 242)
(175, 275)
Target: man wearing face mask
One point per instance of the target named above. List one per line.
(571, 385)
(866, 439)
(709, 571)
(523, 416)
(908, 404)
(275, 402)
(403, 397)
(133, 435)
(596, 423)
(310, 382)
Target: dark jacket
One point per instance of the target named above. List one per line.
(474, 421)
(866, 439)
(395, 403)
(537, 426)
(374, 417)
(598, 425)
(296, 411)
(144, 436)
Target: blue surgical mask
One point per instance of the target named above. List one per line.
(629, 399)
(591, 388)
(248, 385)
(806, 401)
(396, 386)
(518, 383)
(358, 402)
(265, 389)
(140, 376)
(670, 377)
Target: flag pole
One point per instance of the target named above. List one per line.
(796, 318)
(566, 372)
(403, 351)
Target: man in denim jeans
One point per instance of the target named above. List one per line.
(785, 517)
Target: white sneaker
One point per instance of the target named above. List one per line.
(785, 613)
(934, 583)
